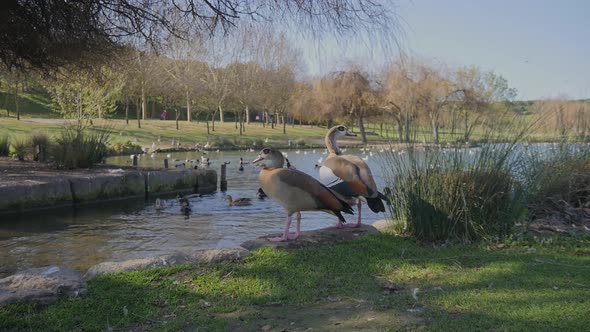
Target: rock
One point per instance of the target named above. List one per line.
(41, 285)
(171, 180)
(383, 224)
(196, 257)
(107, 186)
(218, 255)
(29, 194)
(323, 236)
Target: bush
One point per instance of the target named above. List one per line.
(559, 181)
(125, 148)
(222, 143)
(41, 144)
(78, 147)
(4, 145)
(20, 148)
(469, 205)
(460, 194)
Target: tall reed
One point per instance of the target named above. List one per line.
(456, 193)
(4, 145)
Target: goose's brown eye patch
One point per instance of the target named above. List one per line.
(266, 151)
(341, 128)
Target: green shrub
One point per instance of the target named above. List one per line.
(441, 194)
(4, 145)
(41, 144)
(439, 205)
(20, 148)
(222, 143)
(128, 147)
(80, 147)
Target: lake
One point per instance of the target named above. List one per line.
(87, 235)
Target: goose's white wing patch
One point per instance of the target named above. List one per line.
(328, 178)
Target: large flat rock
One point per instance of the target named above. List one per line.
(324, 236)
(41, 285)
(192, 258)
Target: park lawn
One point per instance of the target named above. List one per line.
(375, 283)
(32, 105)
(162, 132)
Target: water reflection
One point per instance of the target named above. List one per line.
(137, 228)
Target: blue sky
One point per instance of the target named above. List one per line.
(541, 47)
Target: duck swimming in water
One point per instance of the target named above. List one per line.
(238, 201)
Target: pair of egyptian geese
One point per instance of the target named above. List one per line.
(347, 179)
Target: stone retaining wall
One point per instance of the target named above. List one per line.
(64, 189)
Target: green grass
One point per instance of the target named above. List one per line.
(520, 286)
(33, 105)
(188, 134)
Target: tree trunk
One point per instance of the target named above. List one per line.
(284, 125)
(143, 102)
(188, 107)
(177, 117)
(241, 123)
(138, 108)
(213, 121)
(465, 125)
(16, 106)
(362, 127)
(435, 128)
(221, 115)
(247, 115)
(407, 131)
(126, 109)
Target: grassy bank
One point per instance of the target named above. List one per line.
(374, 283)
(188, 133)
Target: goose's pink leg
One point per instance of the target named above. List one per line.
(294, 236)
(339, 225)
(285, 235)
(358, 223)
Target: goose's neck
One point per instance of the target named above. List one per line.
(332, 146)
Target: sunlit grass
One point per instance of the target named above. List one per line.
(524, 286)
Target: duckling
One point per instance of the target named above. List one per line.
(184, 205)
(237, 201)
(260, 193)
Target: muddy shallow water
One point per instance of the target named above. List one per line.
(90, 234)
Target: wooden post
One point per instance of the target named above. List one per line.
(166, 163)
(135, 160)
(223, 181)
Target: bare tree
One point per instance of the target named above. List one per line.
(48, 34)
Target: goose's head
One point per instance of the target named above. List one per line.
(340, 131)
(270, 158)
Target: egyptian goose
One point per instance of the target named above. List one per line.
(349, 176)
(238, 201)
(295, 191)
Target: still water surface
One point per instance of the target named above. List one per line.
(121, 230)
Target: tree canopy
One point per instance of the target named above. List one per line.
(47, 34)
